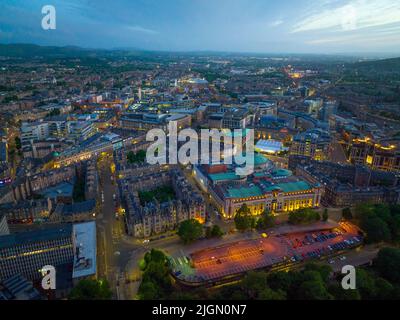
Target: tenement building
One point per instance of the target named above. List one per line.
(156, 201)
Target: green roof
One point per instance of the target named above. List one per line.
(234, 133)
(259, 159)
(290, 186)
(245, 192)
(282, 173)
(223, 176)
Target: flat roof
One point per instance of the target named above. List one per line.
(84, 237)
(63, 189)
(223, 176)
(28, 237)
(245, 192)
(290, 186)
(270, 146)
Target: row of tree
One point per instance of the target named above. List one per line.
(244, 220)
(192, 230)
(380, 222)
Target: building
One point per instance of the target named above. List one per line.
(270, 146)
(236, 118)
(262, 194)
(26, 253)
(275, 190)
(4, 230)
(34, 131)
(314, 143)
(155, 217)
(148, 121)
(70, 246)
(81, 130)
(348, 185)
(3, 152)
(77, 212)
(27, 211)
(378, 156)
(18, 288)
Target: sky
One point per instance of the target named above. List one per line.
(270, 26)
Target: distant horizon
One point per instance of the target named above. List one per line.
(382, 55)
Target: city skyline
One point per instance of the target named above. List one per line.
(336, 27)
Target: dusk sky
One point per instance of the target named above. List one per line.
(297, 26)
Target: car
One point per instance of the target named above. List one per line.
(146, 241)
(342, 258)
(331, 261)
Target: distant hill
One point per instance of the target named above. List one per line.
(32, 50)
(385, 65)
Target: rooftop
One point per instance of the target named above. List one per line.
(35, 236)
(295, 186)
(245, 192)
(223, 176)
(84, 249)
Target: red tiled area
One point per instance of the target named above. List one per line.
(242, 256)
(239, 257)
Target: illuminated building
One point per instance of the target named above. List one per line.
(313, 143)
(155, 217)
(348, 185)
(26, 253)
(365, 151)
(268, 189)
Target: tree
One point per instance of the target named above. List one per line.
(339, 293)
(149, 291)
(254, 283)
(91, 290)
(156, 280)
(384, 289)
(269, 294)
(190, 230)
(325, 215)
(387, 263)
(266, 221)
(279, 280)
(243, 219)
(366, 284)
(323, 269)
(314, 290)
(304, 216)
(376, 229)
(346, 214)
(214, 232)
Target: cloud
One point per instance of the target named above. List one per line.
(276, 23)
(354, 15)
(142, 30)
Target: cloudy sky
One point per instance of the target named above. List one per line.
(296, 26)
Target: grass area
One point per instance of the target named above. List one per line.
(162, 194)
